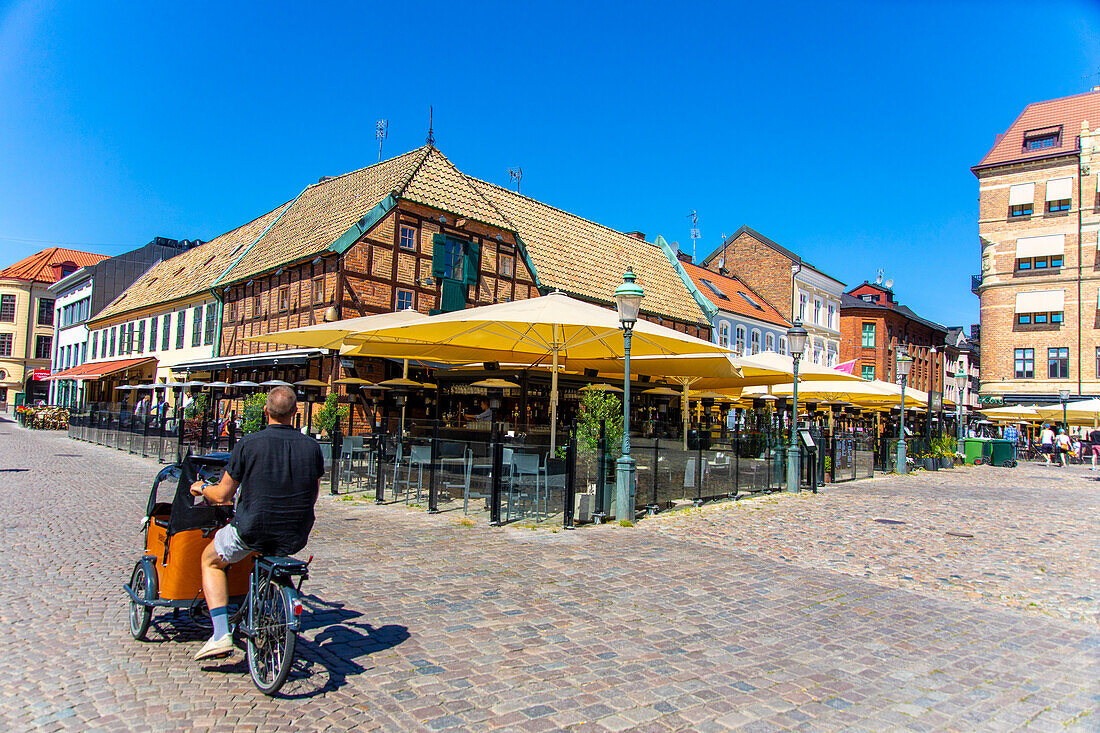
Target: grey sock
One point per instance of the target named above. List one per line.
(220, 617)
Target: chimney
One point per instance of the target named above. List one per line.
(636, 235)
(683, 257)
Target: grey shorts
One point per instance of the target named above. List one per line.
(228, 545)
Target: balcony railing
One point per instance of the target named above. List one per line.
(975, 283)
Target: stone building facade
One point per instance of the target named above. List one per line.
(874, 326)
(1040, 271)
(797, 289)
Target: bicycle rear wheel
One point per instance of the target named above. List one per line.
(271, 645)
(140, 615)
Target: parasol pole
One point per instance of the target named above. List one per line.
(686, 406)
(554, 393)
(404, 375)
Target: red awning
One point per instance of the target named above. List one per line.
(100, 369)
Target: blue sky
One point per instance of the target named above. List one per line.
(842, 131)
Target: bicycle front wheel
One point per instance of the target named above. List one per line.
(271, 645)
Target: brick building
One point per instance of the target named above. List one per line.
(962, 355)
(409, 232)
(1040, 273)
(873, 326)
(797, 289)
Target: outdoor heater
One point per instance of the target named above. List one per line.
(1063, 396)
(796, 342)
(628, 301)
(904, 362)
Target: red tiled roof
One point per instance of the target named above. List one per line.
(740, 298)
(45, 266)
(1068, 112)
(97, 369)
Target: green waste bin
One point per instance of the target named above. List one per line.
(976, 450)
(1002, 453)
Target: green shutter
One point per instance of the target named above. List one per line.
(472, 262)
(452, 296)
(439, 247)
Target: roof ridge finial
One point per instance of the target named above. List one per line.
(431, 123)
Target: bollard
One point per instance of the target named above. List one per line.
(433, 497)
(600, 514)
(498, 467)
(337, 447)
(569, 508)
(653, 507)
(379, 482)
(232, 430)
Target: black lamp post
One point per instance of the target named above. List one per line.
(628, 301)
(796, 342)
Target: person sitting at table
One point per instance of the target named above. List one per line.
(486, 414)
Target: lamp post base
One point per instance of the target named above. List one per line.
(794, 479)
(902, 465)
(624, 483)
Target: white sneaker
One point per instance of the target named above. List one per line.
(220, 647)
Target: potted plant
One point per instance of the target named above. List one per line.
(828, 469)
(325, 421)
(597, 407)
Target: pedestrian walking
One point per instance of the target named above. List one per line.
(1094, 446)
(1063, 447)
(1046, 444)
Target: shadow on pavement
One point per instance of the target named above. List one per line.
(324, 662)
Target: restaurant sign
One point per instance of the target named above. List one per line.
(40, 375)
(987, 400)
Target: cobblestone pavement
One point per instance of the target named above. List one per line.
(1027, 538)
(422, 622)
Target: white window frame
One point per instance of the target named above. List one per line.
(724, 334)
(397, 298)
(754, 341)
(817, 311)
(783, 345)
(803, 301)
(769, 341)
(739, 340)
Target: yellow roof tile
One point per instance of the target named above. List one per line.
(588, 259)
(187, 273)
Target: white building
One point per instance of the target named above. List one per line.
(73, 305)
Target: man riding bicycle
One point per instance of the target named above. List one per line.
(278, 471)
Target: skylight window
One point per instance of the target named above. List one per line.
(750, 301)
(713, 288)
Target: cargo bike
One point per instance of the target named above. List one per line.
(264, 589)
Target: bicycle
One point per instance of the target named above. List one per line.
(270, 619)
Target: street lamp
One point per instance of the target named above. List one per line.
(1063, 395)
(904, 362)
(796, 342)
(628, 301)
(960, 382)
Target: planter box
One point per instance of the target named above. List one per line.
(931, 464)
(947, 462)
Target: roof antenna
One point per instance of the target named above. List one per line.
(381, 130)
(517, 176)
(694, 231)
(431, 121)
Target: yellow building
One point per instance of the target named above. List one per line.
(27, 321)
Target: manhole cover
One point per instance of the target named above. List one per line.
(964, 535)
(889, 521)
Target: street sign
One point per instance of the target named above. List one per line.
(40, 375)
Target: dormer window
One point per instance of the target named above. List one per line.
(1043, 138)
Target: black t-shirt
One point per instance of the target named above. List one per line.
(278, 469)
(1094, 437)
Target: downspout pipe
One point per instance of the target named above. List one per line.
(1080, 269)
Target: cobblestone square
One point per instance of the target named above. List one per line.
(974, 608)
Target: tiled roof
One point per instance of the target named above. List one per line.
(849, 302)
(44, 267)
(587, 259)
(1066, 111)
(191, 272)
(324, 211)
(744, 229)
(740, 298)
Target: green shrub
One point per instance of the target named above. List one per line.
(597, 406)
(197, 408)
(253, 413)
(327, 415)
